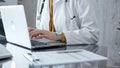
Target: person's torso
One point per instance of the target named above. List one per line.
(63, 16)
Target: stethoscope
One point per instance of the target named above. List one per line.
(42, 6)
(41, 9)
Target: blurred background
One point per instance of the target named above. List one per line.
(107, 15)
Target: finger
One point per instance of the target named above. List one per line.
(36, 32)
(31, 29)
(40, 36)
(32, 35)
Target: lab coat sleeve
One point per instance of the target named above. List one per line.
(88, 32)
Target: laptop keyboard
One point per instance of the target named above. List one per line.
(34, 43)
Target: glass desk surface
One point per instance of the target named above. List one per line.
(19, 61)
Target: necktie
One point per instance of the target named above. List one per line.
(51, 24)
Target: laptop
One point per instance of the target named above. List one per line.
(16, 29)
(4, 53)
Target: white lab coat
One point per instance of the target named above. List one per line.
(79, 30)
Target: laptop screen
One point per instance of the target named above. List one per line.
(1, 28)
(15, 25)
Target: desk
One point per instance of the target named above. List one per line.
(18, 60)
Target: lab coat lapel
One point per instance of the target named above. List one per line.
(59, 15)
(45, 16)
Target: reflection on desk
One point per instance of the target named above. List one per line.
(19, 59)
(3, 39)
(0, 65)
(4, 61)
(18, 55)
(65, 57)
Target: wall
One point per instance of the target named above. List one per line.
(9, 2)
(30, 10)
(108, 16)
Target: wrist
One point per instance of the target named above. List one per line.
(59, 36)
